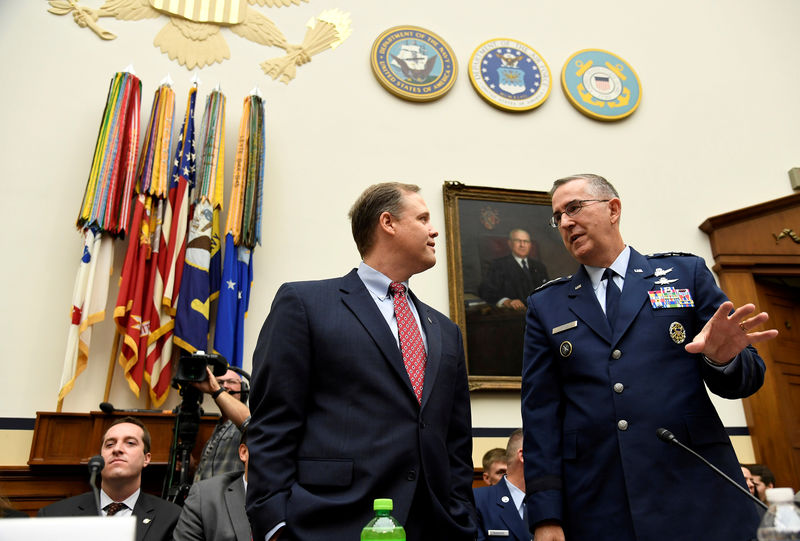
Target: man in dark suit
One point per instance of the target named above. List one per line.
(358, 394)
(501, 507)
(596, 386)
(513, 277)
(126, 451)
(214, 508)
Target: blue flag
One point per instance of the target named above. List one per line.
(234, 301)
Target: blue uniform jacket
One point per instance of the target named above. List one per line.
(498, 517)
(592, 401)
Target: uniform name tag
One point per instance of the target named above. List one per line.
(498, 533)
(668, 297)
(565, 326)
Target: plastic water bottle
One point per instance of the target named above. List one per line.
(383, 525)
(781, 522)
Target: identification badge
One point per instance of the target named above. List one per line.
(669, 297)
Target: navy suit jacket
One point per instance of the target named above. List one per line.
(214, 511)
(507, 279)
(592, 401)
(335, 422)
(497, 513)
(156, 518)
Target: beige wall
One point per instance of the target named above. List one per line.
(716, 130)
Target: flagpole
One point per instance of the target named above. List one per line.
(111, 362)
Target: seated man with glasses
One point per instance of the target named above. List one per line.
(221, 452)
(513, 277)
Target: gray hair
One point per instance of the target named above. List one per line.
(598, 186)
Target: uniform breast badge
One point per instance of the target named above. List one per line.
(677, 332)
(510, 75)
(601, 85)
(565, 348)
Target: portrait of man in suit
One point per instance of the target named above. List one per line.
(623, 347)
(126, 452)
(513, 277)
(359, 391)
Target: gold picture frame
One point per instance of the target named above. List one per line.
(478, 221)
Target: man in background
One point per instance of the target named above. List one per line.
(214, 508)
(126, 451)
(494, 465)
(763, 478)
(501, 507)
(360, 392)
(221, 452)
(513, 277)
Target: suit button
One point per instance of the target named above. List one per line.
(422, 424)
(616, 354)
(411, 475)
(622, 425)
(618, 388)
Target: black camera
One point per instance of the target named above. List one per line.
(192, 368)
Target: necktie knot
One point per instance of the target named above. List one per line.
(397, 289)
(114, 507)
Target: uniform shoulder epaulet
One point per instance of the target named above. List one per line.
(552, 282)
(669, 254)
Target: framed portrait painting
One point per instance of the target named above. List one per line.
(500, 248)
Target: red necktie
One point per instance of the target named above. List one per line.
(411, 345)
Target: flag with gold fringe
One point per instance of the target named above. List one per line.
(202, 264)
(134, 313)
(242, 232)
(104, 214)
(172, 244)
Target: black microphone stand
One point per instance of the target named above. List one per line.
(667, 436)
(96, 464)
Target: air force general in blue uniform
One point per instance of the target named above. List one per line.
(595, 390)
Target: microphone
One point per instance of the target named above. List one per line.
(667, 436)
(96, 465)
(107, 407)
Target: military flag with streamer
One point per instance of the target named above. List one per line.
(104, 215)
(134, 314)
(172, 244)
(202, 264)
(242, 232)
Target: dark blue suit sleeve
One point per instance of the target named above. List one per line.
(278, 396)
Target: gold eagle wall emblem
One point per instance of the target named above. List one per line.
(193, 38)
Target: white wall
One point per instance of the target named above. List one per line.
(716, 130)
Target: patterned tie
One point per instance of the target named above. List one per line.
(612, 297)
(411, 345)
(113, 508)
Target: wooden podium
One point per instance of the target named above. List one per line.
(64, 442)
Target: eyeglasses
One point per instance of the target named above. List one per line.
(573, 208)
(521, 241)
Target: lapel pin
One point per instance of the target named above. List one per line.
(638, 270)
(504, 499)
(146, 521)
(565, 326)
(565, 348)
(429, 320)
(662, 272)
(664, 281)
(577, 287)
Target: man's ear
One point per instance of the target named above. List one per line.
(615, 209)
(386, 222)
(146, 459)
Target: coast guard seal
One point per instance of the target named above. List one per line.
(601, 85)
(413, 63)
(510, 75)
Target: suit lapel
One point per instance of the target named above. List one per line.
(234, 501)
(86, 506)
(509, 513)
(583, 303)
(144, 513)
(356, 297)
(638, 282)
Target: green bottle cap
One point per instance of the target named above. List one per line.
(382, 504)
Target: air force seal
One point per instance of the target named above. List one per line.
(601, 85)
(413, 63)
(510, 75)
